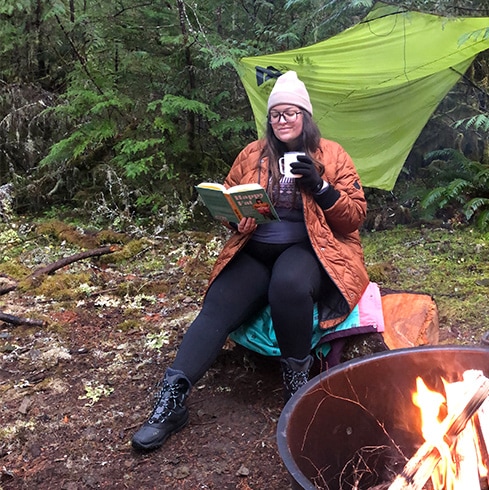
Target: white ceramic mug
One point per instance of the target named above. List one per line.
(285, 161)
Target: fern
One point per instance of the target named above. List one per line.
(433, 197)
(482, 221)
(456, 189)
(449, 154)
(474, 205)
(478, 122)
(469, 189)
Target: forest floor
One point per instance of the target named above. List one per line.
(75, 387)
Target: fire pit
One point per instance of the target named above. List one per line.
(356, 426)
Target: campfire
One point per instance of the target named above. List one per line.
(411, 419)
(455, 428)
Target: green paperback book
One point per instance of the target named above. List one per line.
(244, 200)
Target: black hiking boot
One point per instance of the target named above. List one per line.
(295, 374)
(169, 414)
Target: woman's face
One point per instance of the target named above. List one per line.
(286, 121)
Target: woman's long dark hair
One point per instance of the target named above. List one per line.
(274, 148)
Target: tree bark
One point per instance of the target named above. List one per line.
(190, 130)
(49, 269)
(18, 320)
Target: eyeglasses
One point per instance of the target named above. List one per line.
(274, 117)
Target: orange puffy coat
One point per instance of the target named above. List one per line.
(333, 232)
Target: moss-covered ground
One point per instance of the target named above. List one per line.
(74, 387)
(452, 265)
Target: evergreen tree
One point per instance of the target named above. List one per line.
(133, 100)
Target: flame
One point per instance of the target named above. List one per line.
(431, 404)
(460, 464)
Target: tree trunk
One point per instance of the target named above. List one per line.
(190, 129)
(39, 49)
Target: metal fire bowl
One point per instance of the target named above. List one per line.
(357, 421)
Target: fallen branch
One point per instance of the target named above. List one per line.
(7, 289)
(47, 270)
(18, 320)
(59, 264)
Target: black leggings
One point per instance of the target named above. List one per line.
(288, 278)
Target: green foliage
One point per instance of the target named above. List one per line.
(139, 157)
(149, 92)
(474, 205)
(464, 183)
(362, 3)
(477, 122)
(157, 340)
(451, 265)
(94, 392)
(173, 105)
(145, 98)
(483, 218)
(465, 189)
(144, 108)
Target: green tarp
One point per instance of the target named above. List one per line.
(374, 86)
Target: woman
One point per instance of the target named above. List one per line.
(312, 255)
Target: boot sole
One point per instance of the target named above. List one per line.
(155, 445)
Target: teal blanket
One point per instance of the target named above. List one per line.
(258, 335)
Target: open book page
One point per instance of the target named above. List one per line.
(217, 202)
(244, 200)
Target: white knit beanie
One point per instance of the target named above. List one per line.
(288, 89)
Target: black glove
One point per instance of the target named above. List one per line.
(311, 180)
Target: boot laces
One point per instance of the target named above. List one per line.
(294, 380)
(166, 400)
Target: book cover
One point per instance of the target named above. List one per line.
(245, 200)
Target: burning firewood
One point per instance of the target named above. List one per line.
(418, 470)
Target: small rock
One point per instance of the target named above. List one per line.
(90, 434)
(482, 282)
(35, 450)
(243, 471)
(25, 405)
(181, 472)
